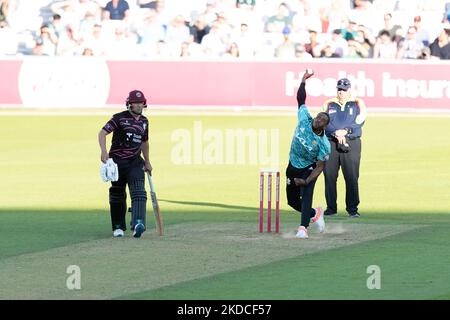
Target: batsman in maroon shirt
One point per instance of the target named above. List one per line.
(130, 139)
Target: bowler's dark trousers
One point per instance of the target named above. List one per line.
(349, 162)
(300, 198)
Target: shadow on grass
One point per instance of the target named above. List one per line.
(210, 204)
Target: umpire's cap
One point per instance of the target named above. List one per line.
(343, 84)
(136, 96)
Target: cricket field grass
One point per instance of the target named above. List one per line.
(54, 214)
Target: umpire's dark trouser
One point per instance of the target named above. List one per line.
(300, 198)
(349, 162)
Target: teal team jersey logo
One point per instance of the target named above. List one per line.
(307, 147)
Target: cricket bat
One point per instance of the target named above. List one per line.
(158, 218)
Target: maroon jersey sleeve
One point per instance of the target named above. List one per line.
(112, 124)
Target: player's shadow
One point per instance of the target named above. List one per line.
(209, 204)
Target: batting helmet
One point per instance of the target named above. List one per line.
(136, 96)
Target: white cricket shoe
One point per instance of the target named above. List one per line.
(118, 233)
(318, 219)
(302, 233)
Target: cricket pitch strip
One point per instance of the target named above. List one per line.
(115, 267)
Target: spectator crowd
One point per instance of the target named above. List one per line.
(227, 29)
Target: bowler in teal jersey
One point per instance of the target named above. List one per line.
(310, 149)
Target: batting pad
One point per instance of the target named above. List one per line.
(138, 201)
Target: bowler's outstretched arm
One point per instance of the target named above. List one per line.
(301, 92)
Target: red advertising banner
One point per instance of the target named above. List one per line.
(382, 85)
(84, 82)
(9, 70)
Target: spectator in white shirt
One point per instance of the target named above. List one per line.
(152, 30)
(410, 48)
(8, 40)
(422, 35)
(213, 43)
(384, 47)
(95, 41)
